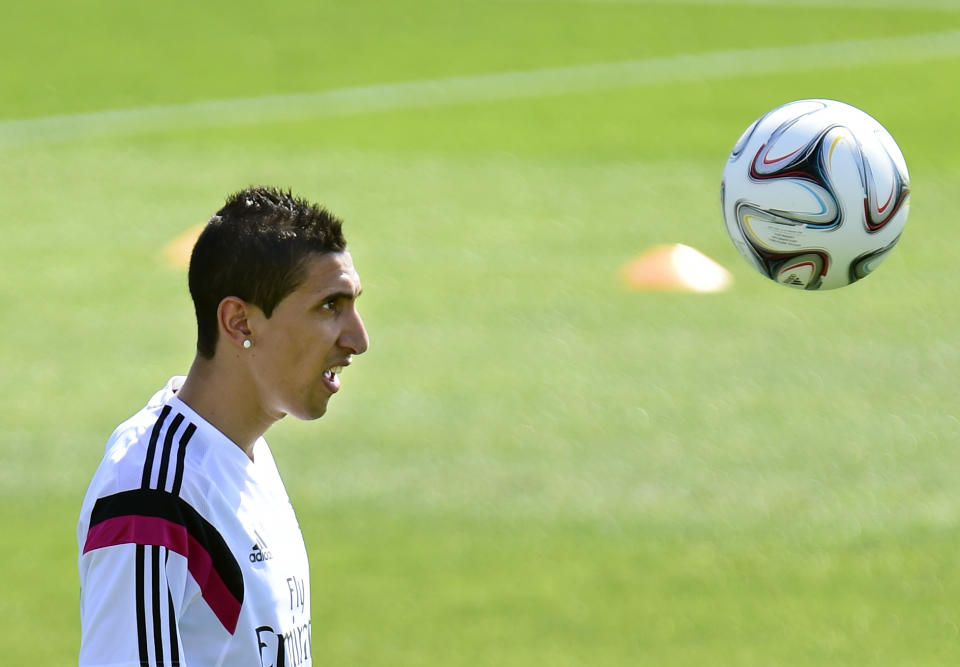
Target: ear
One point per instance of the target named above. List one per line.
(233, 317)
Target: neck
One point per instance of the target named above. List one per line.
(221, 394)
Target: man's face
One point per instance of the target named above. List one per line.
(313, 332)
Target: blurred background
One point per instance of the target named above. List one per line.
(533, 464)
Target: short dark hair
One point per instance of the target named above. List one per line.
(254, 248)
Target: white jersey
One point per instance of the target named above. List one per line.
(190, 553)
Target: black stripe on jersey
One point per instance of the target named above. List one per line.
(152, 448)
(163, 505)
(172, 620)
(157, 622)
(184, 440)
(141, 608)
(167, 446)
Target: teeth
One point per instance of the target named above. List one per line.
(336, 370)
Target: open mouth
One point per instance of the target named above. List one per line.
(331, 378)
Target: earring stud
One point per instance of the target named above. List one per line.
(247, 344)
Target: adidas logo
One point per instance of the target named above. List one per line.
(259, 554)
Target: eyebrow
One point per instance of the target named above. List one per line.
(342, 295)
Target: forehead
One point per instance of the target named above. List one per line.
(327, 273)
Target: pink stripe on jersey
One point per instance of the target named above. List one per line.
(156, 531)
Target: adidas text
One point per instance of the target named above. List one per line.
(258, 555)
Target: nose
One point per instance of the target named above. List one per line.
(354, 335)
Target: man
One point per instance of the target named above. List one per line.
(190, 552)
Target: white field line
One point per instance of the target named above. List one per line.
(483, 88)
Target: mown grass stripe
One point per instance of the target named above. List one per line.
(528, 84)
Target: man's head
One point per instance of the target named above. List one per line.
(255, 249)
(275, 293)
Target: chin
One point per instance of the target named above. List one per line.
(311, 412)
(310, 406)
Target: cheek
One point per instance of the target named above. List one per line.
(279, 358)
(298, 350)
(307, 355)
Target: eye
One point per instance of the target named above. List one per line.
(331, 305)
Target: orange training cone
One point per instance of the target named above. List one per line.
(177, 252)
(676, 268)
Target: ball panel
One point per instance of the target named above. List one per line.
(788, 149)
(804, 271)
(864, 265)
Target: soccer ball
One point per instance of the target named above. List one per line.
(815, 194)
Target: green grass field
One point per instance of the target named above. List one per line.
(532, 465)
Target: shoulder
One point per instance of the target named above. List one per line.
(158, 448)
(151, 486)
